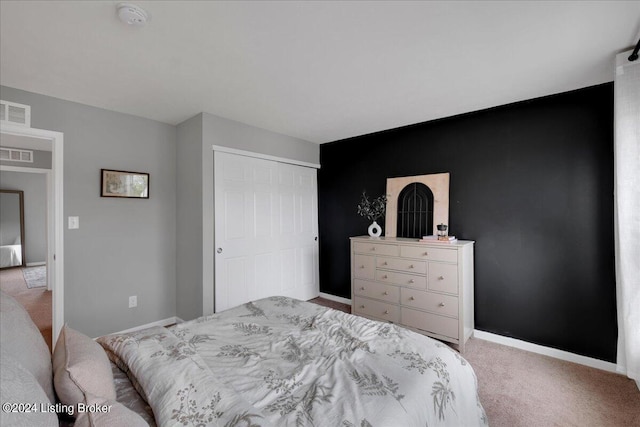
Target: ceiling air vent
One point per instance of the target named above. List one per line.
(14, 113)
(16, 155)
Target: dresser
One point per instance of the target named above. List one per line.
(426, 287)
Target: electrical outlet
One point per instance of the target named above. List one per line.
(133, 301)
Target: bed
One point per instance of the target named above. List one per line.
(10, 255)
(275, 361)
(280, 361)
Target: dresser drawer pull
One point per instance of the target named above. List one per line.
(362, 288)
(362, 266)
(385, 293)
(411, 266)
(362, 306)
(384, 263)
(411, 298)
(426, 254)
(441, 278)
(386, 312)
(384, 277)
(373, 248)
(411, 281)
(441, 304)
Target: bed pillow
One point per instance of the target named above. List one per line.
(81, 367)
(19, 386)
(111, 414)
(22, 340)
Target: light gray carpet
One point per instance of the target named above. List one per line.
(36, 277)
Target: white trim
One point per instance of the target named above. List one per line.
(335, 298)
(55, 202)
(164, 322)
(36, 264)
(546, 351)
(264, 156)
(179, 320)
(8, 168)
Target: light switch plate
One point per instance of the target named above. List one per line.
(74, 222)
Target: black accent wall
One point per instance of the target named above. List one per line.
(531, 183)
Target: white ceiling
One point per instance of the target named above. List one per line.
(319, 71)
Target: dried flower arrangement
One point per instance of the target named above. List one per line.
(372, 209)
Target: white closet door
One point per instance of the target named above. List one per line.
(298, 231)
(265, 230)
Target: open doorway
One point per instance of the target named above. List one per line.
(38, 279)
(24, 241)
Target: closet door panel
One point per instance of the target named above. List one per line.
(265, 213)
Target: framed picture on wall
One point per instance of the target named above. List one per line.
(116, 183)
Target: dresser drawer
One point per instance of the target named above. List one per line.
(429, 301)
(429, 253)
(377, 309)
(443, 278)
(430, 322)
(375, 290)
(408, 265)
(376, 248)
(364, 267)
(402, 279)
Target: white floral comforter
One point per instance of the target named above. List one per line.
(280, 361)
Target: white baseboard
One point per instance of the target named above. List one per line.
(547, 351)
(335, 298)
(164, 322)
(36, 264)
(179, 320)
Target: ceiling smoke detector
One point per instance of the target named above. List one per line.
(132, 15)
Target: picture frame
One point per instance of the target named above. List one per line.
(124, 184)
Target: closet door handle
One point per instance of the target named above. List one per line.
(219, 250)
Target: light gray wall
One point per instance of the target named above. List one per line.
(41, 160)
(229, 133)
(130, 247)
(34, 186)
(123, 247)
(196, 292)
(189, 214)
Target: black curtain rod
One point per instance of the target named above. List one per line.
(634, 54)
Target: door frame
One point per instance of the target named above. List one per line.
(55, 217)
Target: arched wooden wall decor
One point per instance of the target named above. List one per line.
(437, 183)
(415, 211)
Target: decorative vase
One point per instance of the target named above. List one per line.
(375, 230)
